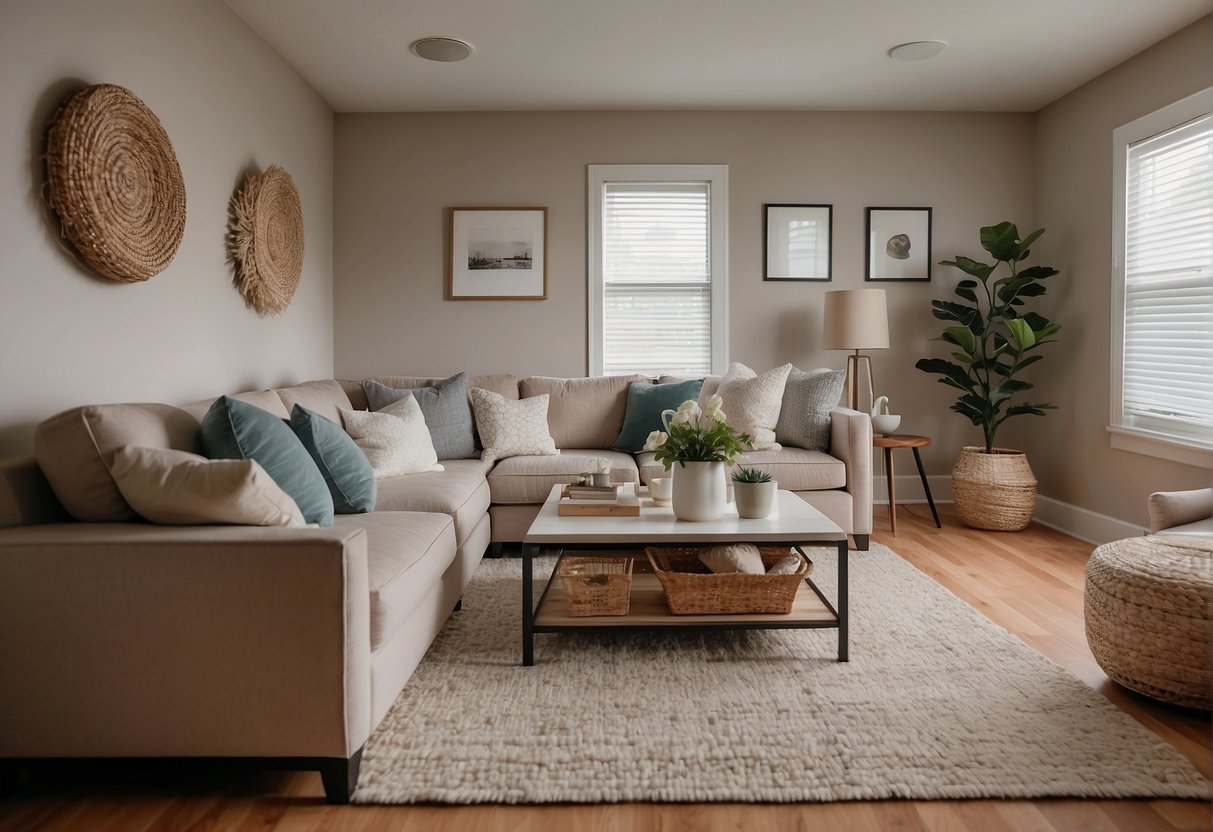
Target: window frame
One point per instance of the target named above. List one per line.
(1138, 438)
(717, 178)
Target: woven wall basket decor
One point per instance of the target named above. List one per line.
(114, 181)
(265, 238)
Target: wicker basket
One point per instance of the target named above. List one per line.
(994, 491)
(691, 588)
(1147, 612)
(597, 586)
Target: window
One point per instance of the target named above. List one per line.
(658, 269)
(1162, 347)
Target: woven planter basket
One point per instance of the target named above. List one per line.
(1147, 615)
(114, 181)
(994, 491)
(265, 238)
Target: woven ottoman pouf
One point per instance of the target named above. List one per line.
(1147, 605)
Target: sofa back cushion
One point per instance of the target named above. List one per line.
(326, 397)
(76, 448)
(267, 400)
(583, 412)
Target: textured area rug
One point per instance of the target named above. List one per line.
(936, 702)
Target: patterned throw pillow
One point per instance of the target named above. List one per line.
(808, 398)
(752, 402)
(446, 411)
(512, 427)
(395, 439)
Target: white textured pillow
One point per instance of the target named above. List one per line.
(395, 439)
(184, 489)
(734, 557)
(512, 427)
(752, 402)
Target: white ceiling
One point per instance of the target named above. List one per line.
(709, 54)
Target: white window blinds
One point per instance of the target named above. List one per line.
(656, 278)
(1168, 282)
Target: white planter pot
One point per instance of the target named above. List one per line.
(699, 490)
(754, 499)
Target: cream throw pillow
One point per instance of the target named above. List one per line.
(751, 402)
(395, 439)
(735, 557)
(512, 427)
(184, 489)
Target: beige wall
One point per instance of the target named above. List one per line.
(397, 174)
(230, 106)
(1070, 450)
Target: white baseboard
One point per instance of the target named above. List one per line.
(1082, 523)
(909, 488)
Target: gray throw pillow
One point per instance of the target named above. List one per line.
(445, 408)
(808, 398)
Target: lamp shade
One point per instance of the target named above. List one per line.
(855, 319)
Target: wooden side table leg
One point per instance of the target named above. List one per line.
(922, 475)
(888, 470)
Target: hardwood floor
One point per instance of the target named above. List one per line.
(1029, 582)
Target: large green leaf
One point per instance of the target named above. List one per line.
(1022, 333)
(962, 337)
(953, 374)
(981, 271)
(946, 310)
(965, 289)
(1037, 272)
(1002, 240)
(1026, 242)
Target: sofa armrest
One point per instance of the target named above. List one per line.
(1178, 508)
(851, 441)
(123, 639)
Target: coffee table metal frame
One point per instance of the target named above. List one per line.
(620, 535)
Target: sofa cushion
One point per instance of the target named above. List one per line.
(645, 405)
(512, 428)
(448, 415)
(346, 470)
(460, 491)
(233, 429)
(711, 385)
(395, 439)
(583, 412)
(529, 479)
(796, 469)
(808, 398)
(267, 400)
(407, 552)
(752, 402)
(76, 448)
(179, 488)
(326, 397)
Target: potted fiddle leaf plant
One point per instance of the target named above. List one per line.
(994, 339)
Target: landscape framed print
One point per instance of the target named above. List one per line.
(498, 254)
(899, 244)
(799, 242)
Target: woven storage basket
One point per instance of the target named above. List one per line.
(113, 179)
(597, 586)
(994, 491)
(265, 238)
(691, 588)
(1147, 608)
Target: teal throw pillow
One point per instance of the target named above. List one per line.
(645, 403)
(233, 429)
(345, 468)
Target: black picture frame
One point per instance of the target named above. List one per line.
(892, 233)
(776, 240)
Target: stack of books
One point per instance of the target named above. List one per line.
(593, 500)
(592, 492)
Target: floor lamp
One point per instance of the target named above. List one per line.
(856, 319)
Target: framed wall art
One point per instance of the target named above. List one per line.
(799, 242)
(498, 254)
(899, 244)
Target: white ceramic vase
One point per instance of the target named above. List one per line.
(699, 490)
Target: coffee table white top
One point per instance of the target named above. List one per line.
(792, 520)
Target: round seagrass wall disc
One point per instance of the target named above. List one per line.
(266, 240)
(114, 181)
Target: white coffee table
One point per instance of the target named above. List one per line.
(792, 522)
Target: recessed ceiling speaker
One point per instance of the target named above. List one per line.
(918, 50)
(445, 50)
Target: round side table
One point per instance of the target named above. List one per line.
(904, 440)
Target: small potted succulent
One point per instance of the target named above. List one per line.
(754, 492)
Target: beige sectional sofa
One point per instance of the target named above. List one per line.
(120, 638)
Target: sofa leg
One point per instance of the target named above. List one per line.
(495, 550)
(861, 542)
(340, 778)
